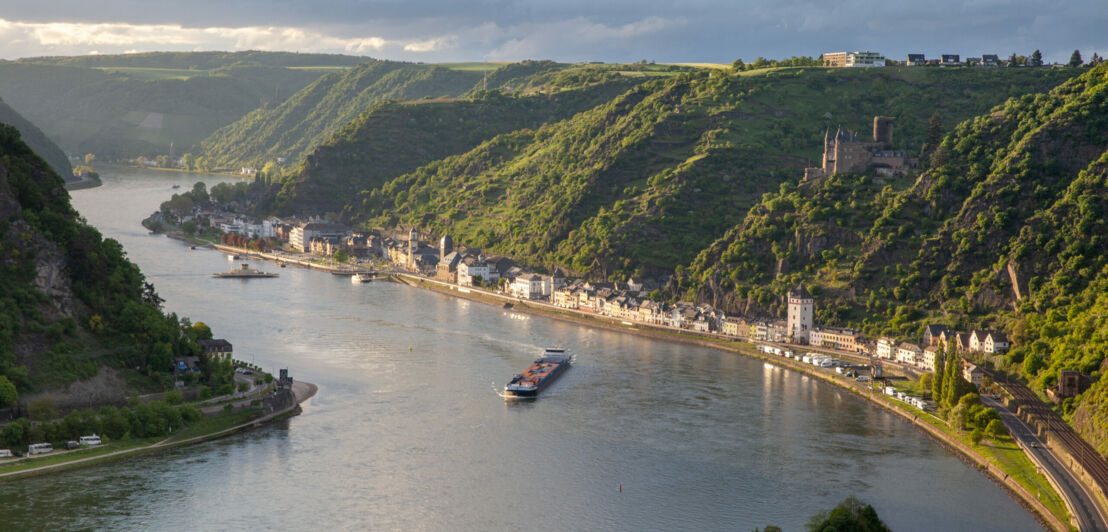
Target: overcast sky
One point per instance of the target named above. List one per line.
(564, 30)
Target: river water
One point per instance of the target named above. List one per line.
(407, 431)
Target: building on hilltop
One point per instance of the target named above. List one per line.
(853, 59)
(916, 60)
(951, 60)
(215, 349)
(846, 153)
(800, 314)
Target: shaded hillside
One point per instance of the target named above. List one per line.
(643, 183)
(199, 60)
(36, 140)
(1005, 230)
(126, 112)
(71, 305)
(311, 116)
(393, 138)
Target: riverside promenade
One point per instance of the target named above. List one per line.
(302, 391)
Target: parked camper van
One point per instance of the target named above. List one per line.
(90, 440)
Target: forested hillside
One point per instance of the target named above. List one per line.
(124, 106)
(644, 182)
(36, 140)
(72, 307)
(391, 139)
(311, 116)
(1006, 229)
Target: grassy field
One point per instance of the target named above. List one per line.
(155, 73)
(720, 66)
(472, 67)
(21, 464)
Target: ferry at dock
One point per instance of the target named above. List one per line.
(539, 375)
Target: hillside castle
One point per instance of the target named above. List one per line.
(845, 153)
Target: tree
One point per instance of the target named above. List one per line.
(162, 160)
(738, 65)
(200, 192)
(940, 374)
(8, 394)
(341, 256)
(925, 381)
(43, 409)
(934, 135)
(90, 157)
(1036, 59)
(188, 161)
(189, 227)
(850, 515)
(1075, 59)
(1095, 60)
(996, 429)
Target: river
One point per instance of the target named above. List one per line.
(407, 431)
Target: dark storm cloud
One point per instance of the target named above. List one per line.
(623, 30)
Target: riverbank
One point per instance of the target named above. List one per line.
(1002, 473)
(82, 182)
(1007, 480)
(302, 391)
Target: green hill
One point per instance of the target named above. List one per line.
(1005, 230)
(393, 138)
(311, 116)
(643, 183)
(123, 106)
(72, 307)
(199, 60)
(37, 141)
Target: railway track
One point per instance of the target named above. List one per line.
(1059, 431)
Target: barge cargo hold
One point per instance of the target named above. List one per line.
(539, 375)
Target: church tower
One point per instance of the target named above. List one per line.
(801, 308)
(446, 246)
(413, 245)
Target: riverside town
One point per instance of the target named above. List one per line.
(343, 266)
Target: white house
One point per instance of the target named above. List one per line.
(907, 353)
(886, 347)
(529, 286)
(472, 267)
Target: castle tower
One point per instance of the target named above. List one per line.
(413, 244)
(446, 246)
(801, 308)
(883, 131)
(826, 148)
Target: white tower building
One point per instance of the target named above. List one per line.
(801, 308)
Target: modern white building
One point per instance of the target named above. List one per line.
(301, 236)
(529, 286)
(800, 319)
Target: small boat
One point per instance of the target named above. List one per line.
(192, 247)
(539, 375)
(361, 278)
(283, 265)
(175, 187)
(245, 272)
(234, 257)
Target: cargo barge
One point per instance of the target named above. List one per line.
(539, 375)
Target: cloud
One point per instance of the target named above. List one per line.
(432, 45)
(579, 37)
(64, 38)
